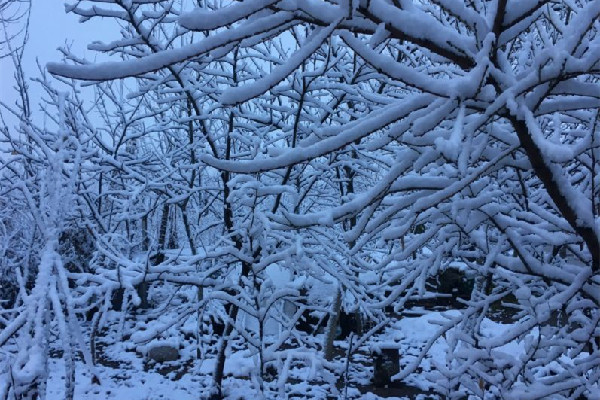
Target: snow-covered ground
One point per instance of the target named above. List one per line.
(130, 377)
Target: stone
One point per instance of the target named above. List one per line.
(347, 324)
(310, 323)
(163, 353)
(386, 363)
(455, 282)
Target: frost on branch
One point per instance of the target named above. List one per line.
(264, 174)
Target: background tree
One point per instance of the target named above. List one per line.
(339, 142)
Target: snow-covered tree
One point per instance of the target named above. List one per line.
(354, 139)
(41, 173)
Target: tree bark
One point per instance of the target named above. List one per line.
(332, 323)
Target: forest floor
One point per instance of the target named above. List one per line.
(126, 373)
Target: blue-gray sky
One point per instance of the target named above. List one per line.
(51, 28)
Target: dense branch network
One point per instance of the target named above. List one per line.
(342, 140)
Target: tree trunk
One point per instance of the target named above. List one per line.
(332, 324)
(220, 364)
